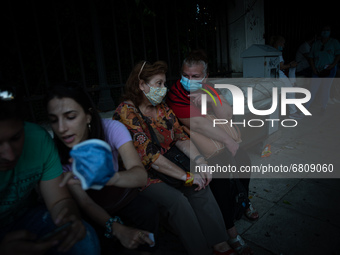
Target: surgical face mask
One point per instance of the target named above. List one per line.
(93, 171)
(280, 48)
(191, 85)
(325, 34)
(155, 95)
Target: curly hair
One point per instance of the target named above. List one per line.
(142, 71)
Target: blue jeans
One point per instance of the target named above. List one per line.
(37, 220)
(325, 84)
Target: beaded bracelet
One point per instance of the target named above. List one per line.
(108, 226)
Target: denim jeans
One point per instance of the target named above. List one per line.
(37, 220)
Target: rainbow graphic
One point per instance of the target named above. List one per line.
(209, 93)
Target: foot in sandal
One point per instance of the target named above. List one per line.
(240, 246)
(251, 213)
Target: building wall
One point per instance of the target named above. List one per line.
(246, 27)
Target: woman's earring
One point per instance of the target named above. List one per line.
(89, 126)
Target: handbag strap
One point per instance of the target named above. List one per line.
(154, 138)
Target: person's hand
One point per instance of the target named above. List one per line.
(69, 179)
(196, 98)
(293, 64)
(206, 175)
(330, 67)
(232, 146)
(75, 232)
(199, 181)
(24, 242)
(131, 238)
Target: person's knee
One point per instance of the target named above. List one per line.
(179, 201)
(150, 209)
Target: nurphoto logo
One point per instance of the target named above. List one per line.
(239, 102)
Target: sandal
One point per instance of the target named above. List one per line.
(251, 213)
(239, 245)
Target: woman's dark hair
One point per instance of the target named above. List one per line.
(142, 71)
(76, 91)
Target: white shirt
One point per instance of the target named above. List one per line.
(300, 58)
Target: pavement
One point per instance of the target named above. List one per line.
(297, 215)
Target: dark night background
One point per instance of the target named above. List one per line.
(51, 41)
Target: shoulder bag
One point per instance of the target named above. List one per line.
(174, 154)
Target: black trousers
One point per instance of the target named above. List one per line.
(221, 187)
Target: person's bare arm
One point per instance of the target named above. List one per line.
(205, 127)
(129, 237)
(287, 66)
(224, 111)
(165, 166)
(190, 150)
(63, 209)
(136, 175)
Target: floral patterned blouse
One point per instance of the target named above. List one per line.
(166, 127)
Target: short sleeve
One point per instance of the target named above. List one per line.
(281, 59)
(51, 163)
(116, 134)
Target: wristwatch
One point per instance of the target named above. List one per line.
(108, 226)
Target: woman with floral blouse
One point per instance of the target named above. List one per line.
(192, 209)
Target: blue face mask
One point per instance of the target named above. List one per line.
(325, 34)
(280, 48)
(92, 163)
(191, 85)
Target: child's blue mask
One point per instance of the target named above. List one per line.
(92, 163)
